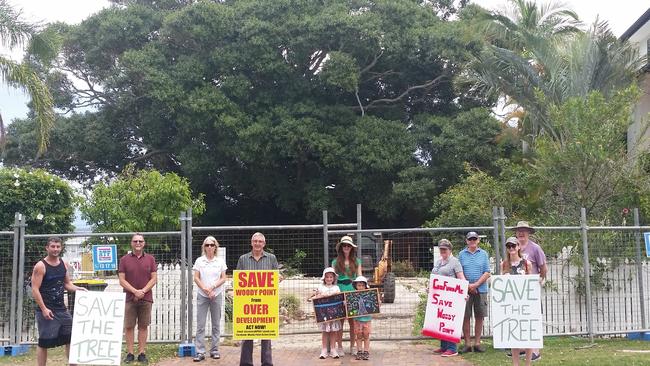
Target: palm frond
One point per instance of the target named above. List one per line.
(14, 32)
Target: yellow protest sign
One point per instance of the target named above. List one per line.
(256, 305)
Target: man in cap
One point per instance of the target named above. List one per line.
(476, 267)
(534, 254)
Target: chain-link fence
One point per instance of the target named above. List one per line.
(609, 298)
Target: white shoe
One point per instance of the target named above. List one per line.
(323, 355)
(352, 350)
(340, 351)
(334, 354)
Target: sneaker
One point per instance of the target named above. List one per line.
(129, 358)
(478, 349)
(334, 354)
(323, 355)
(365, 356)
(509, 353)
(340, 351)
(536, 356)
(352, 350)
(359, 356)
(466, 349)
(199, 357)
(449, 353)
(142, 358)
(439, 351)
(215, 355)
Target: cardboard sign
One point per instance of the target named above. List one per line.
(329, 307)
(105, 257)
(445, 308)
(97, 328)
(361, 303)
(256, 304)
(516, 307)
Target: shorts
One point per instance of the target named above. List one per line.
(55, 332)
(478, 303)
(361, 327)
(139, 311)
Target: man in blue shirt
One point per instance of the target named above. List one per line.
(476, 267)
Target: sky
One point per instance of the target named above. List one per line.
(620, 14)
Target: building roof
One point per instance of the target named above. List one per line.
(636, 26)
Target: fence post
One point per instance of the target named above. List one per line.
(21, 278)
(359, 250)
(14, 282)
(326, 247)
(587, 270)
(502, 220)
(190, 277)
(183, 265)
(639, 267)
(495, 224)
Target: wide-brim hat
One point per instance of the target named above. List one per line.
(345, 240)
(524, 225)
(329, 270)
(361, 279)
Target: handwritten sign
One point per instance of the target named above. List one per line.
(361, 303)
(445, 308)
(516, 311)
(329, 307)
(97, 328)
(256, 305)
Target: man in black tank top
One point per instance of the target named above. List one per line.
(49, 279)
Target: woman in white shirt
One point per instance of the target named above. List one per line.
(209, 276)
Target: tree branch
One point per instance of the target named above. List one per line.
(405, 93)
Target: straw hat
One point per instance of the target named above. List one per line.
(345, 240)
(523, 225)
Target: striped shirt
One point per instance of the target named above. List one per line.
(474, 266)
(248, 263)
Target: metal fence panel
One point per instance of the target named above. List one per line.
(6, 279)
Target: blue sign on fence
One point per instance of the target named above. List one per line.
(105, 257)
(646, 237)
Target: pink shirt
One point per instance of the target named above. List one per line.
(535, 255)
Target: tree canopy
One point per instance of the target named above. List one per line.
(275, 110)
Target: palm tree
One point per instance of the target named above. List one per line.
(538, 57)
(15, 32)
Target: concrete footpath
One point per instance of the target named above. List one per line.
(304, 351)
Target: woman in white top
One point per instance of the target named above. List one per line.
(209, 276)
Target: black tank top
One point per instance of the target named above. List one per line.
(52, 285)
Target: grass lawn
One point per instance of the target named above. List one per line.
(573, 351)
(56, 356)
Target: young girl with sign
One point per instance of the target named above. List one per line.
(362, 323)
(515, 264)
(331, 328)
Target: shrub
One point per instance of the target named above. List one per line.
(403, 268)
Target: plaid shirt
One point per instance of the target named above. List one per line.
(248, 263)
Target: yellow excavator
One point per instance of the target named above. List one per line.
(380, 274)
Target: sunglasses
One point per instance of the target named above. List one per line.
(511, 246)
(472, 239)
(137, 241)
(210, 245)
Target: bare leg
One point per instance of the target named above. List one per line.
(529, 356)
(333, 337)
(515, 356)
(41, 355)
(324, 339)
(352, 334)
(142, 339)
(466, 334)
(478, 329)
(366, 340)
(67, 354)
(129, 336)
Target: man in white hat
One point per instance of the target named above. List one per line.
(534, 254)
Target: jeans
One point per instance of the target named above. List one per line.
(203, 304)
(246, 357)
(446, 345)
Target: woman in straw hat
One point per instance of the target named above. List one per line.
(347, 267)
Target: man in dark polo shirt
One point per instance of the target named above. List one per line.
(257, 259)
(137, 272)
